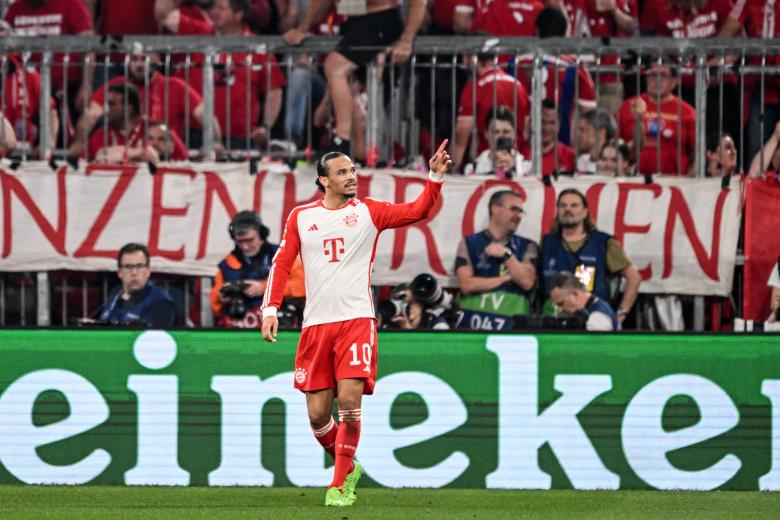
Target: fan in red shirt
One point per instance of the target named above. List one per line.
(122, 137)
(668, 129)
(163, 142)
(606, 19)
(690, 19)
(22, 92)
(565, 81)
(759, 20)
(556, 156)
(491, 87)
(170, 100)
(55, 18)
(239, 79)
(113, 17)
(453, 16)
(508, 17)
(182, 17)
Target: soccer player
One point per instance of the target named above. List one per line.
(337, 352)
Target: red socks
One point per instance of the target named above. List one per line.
(326, 436)
(346, 444)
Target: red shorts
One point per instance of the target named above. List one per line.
(330, 352)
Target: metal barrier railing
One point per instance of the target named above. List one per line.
(707, 67)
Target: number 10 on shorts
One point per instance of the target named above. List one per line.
(366, 356)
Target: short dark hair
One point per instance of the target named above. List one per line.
(129, 93)
(244, 220)
(501, 113)
(549, 104)
(240, 6)
(322, 166)
(132, 247)
(566, 281)
(601, 119)
(498, 197)
(551, 23)
(655, 61)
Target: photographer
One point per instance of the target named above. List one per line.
(138, 302)
(241, 277)
(421, 305)
(571, 297)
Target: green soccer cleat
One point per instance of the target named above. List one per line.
(339, 497)
(351, 480)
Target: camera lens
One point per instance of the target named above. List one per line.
(425, 289)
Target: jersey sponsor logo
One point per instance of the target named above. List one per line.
(333, 247)
(313, 227)
(351, 220)
(300, 375)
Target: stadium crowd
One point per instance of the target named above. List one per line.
(259, 103)
(148, 107)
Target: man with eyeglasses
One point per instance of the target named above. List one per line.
(138, 301)
(495, 268)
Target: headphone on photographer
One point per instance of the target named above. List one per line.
(247, 219)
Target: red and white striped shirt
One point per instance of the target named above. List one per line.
(337, 248)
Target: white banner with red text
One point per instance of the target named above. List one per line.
(680, 233)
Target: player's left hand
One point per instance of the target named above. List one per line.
(441, 162)
(270, 329)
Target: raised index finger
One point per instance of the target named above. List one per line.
(442, 146)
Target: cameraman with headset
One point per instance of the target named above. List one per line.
(571, 297)
(241, 277)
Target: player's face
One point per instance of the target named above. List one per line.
(571, 211)
(248, 241)
(342, 177)
(134, 271)
(564, 300)
(509, 213)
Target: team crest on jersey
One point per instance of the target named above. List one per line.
(300, 375)
(351, 220)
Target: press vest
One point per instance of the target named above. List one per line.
(135, 312)
(598, 305)
(257, 269)
(494, 309)
(556, 257)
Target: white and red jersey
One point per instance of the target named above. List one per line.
(337, 248)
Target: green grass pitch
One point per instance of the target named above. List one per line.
(96, 502)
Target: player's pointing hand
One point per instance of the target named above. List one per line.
(441, 162)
